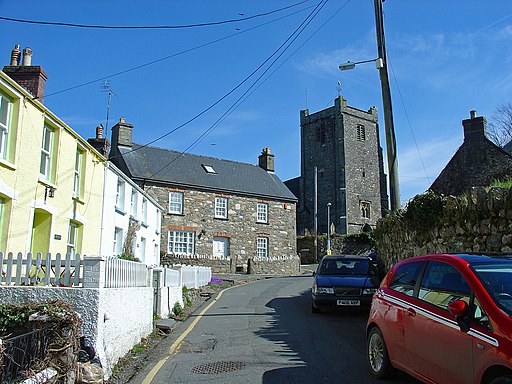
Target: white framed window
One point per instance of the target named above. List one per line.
(221, 207)
(181, 242)
(144, 210)
(5, 113)
(142, 249)
(72, 238)
(133, 203)
(46, 152)
(365, 209)
(120, 194)
(262, 213)
(262, 246)
(118, 241)
(77, 182)
(176, 203)
(2, 221)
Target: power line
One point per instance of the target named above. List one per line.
(92, 26)
(170, 56)
(287, 42)
(408, 121)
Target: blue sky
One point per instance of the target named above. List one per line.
(446, 58)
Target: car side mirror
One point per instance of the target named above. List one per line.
(460, 309)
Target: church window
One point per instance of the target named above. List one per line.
(361, 134)
(320, 133)
(365, 209)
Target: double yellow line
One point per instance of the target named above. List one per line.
(151, 375)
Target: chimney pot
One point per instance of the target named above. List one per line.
(266, 160)
(27, 57)
(474, 127)
(121, 120)
(15, 55)
(32, 78)
(99, 131)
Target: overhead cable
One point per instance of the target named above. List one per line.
(92, 26)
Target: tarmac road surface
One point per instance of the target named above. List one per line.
(264, 332)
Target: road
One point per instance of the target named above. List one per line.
(264, 332)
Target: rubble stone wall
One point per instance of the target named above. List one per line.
(479, 221)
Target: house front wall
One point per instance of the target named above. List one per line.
(125, 206)
(239, 234)
(38, 203)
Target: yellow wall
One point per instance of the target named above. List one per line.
(24, 190)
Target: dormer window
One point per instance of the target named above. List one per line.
(208, 168)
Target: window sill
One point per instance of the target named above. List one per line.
(120, 211)
(222, 218)
(47, 183)
(262, 222)
(175, 214)
(7, 164)
(78, 200)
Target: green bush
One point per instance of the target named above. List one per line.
(177, 309)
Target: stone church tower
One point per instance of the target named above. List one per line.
(343, 144)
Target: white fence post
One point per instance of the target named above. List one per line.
(94, 272)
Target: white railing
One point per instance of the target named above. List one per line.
(44, 270)
(194, 277)
(121, 273)
(71, 271)
(171, 277)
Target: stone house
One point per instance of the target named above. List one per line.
(342, 144)
(477, 162)
(219, 211)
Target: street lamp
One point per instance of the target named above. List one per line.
(328, 228)
(381, 64)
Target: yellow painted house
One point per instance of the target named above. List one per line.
(51, 179)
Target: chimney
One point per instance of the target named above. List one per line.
(30, 77)
(266, 160)
(474, 127)
(100, 143)
(122, 134)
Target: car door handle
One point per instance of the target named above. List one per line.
(411, 312)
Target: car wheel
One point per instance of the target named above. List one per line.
(377, 355)
(315, 309)
(502, 380)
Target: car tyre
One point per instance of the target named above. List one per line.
(502, 380)
(315, 309)
(377, 355)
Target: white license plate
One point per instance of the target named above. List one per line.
(352, 303)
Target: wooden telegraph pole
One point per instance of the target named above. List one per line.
(394, 188)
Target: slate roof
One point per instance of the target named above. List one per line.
(164, 166)
(476, 163)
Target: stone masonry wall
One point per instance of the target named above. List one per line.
(480, 221)
(240, 228)
(343, 144)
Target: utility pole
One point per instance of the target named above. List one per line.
(394, 188)
(316, 213)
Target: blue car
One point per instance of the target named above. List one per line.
(344, 281)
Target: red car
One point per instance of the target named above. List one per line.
(444, 319)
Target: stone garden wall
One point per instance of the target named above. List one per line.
(278, 265)
(479, 221)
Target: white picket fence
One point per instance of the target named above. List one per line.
(193, 277)
(68, 271)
